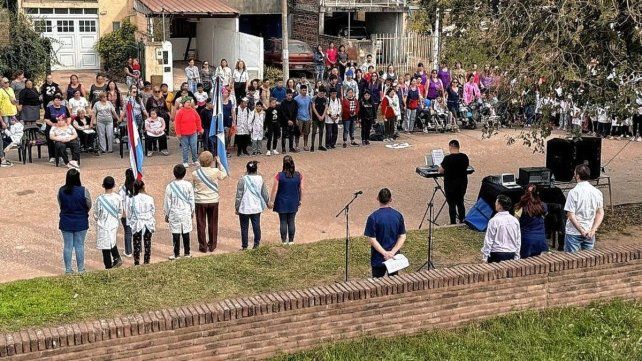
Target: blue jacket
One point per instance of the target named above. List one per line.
(74, 209)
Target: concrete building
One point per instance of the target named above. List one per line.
(76, 25)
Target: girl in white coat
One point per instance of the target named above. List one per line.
(107, 213)
(140, 217)
(256, 124)
(179, 210)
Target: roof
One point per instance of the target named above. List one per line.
(188, 7)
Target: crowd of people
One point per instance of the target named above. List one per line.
(131, 207)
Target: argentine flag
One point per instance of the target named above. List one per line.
(135, 145)
(217, 130)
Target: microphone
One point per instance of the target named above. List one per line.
(358, 193)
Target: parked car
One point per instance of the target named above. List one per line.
(301, 54)
(356, 33)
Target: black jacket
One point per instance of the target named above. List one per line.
(289, 109)
(367, 110)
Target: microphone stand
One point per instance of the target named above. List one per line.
(346, 211)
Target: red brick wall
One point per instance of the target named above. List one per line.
(260, 326)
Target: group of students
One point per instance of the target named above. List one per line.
(133, 208)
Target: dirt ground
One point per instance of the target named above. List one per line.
(32, 245)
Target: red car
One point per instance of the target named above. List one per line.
(301, 55)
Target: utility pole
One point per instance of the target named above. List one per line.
(435, 51)
(284, 41)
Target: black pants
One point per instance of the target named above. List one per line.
(176, 239)
(389, 128)
(273, 134)
(147, 239)
(456, 208)
(86, 140)
(242, 141)
(366, 127)
(287, 226)
(500, 256)
(380, 271)
(110, 257)
(151, 141)
(637, 125)
(287, 132)
(245, 225)
(317, 126)
(331, 134)
(604, 129)
(51, 145)
(61, 150)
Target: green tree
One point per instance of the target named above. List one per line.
(116, 47)
(24, 48)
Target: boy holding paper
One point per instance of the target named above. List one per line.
(387, 233)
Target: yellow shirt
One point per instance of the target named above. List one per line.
(7, 108)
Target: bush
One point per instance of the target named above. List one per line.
(273, 74)
(26, 50)
(116, 47)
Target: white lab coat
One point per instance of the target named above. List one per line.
(256, 122)
(179, 209)
(106, 223)
(140, 213)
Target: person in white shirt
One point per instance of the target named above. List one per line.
(107, 213)
(78, 102)
(140, 217)
(155, 131)
(256, 124)
(503, 236)
(241, 79)
(332, 119)
(252, 198)
(179, 209)
(243, 128)
(13, 134)
(193, 76)
(225, 72)
(584, 212)
(367, 64)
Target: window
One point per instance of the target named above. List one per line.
(75, 11)
(61, 11)
(31, 10)
(115, 25)
(92, 11)
(46, 10)
(65, 26)
(43, 26)
(87, 26)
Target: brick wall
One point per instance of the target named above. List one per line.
(260, 326)
(305, 21)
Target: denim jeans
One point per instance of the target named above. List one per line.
(188, 143)
(348, 129)
(287, 227)
(245, 226)
(74, 241)
(573, 243)
(409, 124)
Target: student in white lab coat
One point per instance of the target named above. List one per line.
(140, 217)
(179, 210)
(107, 213)
(257, 120)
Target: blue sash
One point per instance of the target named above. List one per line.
(201, 175)
(251, 187)
(107, 206)
(178, 193)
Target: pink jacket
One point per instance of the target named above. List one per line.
(471, 91)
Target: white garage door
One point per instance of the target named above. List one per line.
(73, 40)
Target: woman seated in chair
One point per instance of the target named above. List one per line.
(531, 211)
(85, 129)
(155, 131)
(65, 136)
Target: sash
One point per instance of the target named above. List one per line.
(107, 206)
(178, 192)
(251, 187)
(201, 175)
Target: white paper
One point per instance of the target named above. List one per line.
(437, 156)
(89, 131)
(397, 263)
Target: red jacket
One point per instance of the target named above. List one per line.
(386, 109)
(345, 108)
(187, 122)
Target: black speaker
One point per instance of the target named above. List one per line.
(560, 158)
(589, 152)
(563, 155)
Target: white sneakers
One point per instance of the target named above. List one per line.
(268, 153)
(73, 164)
(275, 152)
(186, 165)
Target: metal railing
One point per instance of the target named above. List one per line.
(363, 3)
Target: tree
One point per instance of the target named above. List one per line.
(25, 49)
(116, 47)
(592, 47)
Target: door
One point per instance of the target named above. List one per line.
(73, 41)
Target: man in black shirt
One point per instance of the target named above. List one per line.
(319, 106)
(206, 121)
(454, 167)
(289, 109)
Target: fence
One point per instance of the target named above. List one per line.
(363, 3)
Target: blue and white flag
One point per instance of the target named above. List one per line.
(217, 129)
(135, 145)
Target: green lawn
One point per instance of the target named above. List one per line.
(601, 332)
(61, 299)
